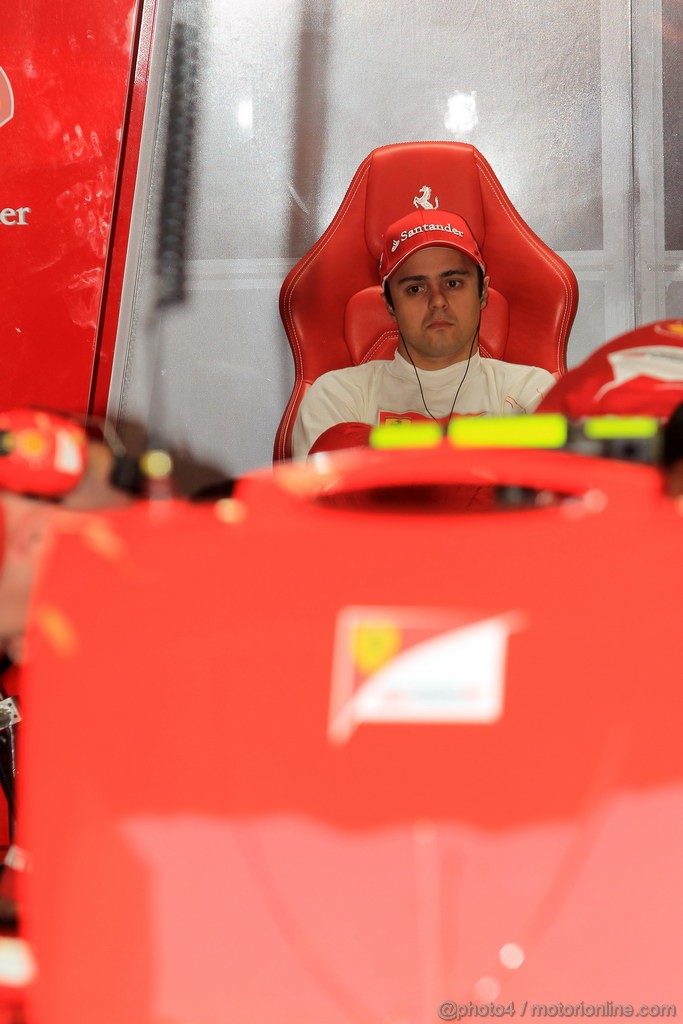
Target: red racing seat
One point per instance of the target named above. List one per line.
(331, 303)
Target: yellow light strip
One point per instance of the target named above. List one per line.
(406, 435)
(547, 430)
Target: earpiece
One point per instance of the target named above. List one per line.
(419, 382)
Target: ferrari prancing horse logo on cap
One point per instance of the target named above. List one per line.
(6, 99)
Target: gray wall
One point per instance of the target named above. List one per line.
(575, 103)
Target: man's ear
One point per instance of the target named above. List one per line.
(386, 295)
(484, 297)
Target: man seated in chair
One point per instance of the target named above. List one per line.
(435, 288)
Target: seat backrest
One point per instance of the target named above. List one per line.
(331, 303)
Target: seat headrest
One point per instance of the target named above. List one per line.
(433, 176)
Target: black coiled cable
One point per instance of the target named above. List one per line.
(173, 226)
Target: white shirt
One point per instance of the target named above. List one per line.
(384, 390)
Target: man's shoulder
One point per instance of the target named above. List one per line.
(351, 376)
(519, 387)
(511, 372)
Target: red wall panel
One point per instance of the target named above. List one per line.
(64, 96)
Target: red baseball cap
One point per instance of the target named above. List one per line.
(423, 229)
(639, 373)
(41, 453)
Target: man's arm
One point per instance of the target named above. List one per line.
(524, 394)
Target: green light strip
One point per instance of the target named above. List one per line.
(547, 430)
(602, 428)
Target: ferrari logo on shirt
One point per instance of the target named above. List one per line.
(397, 418)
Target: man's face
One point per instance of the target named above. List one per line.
(437, 306)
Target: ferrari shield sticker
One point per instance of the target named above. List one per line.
(417, 665)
